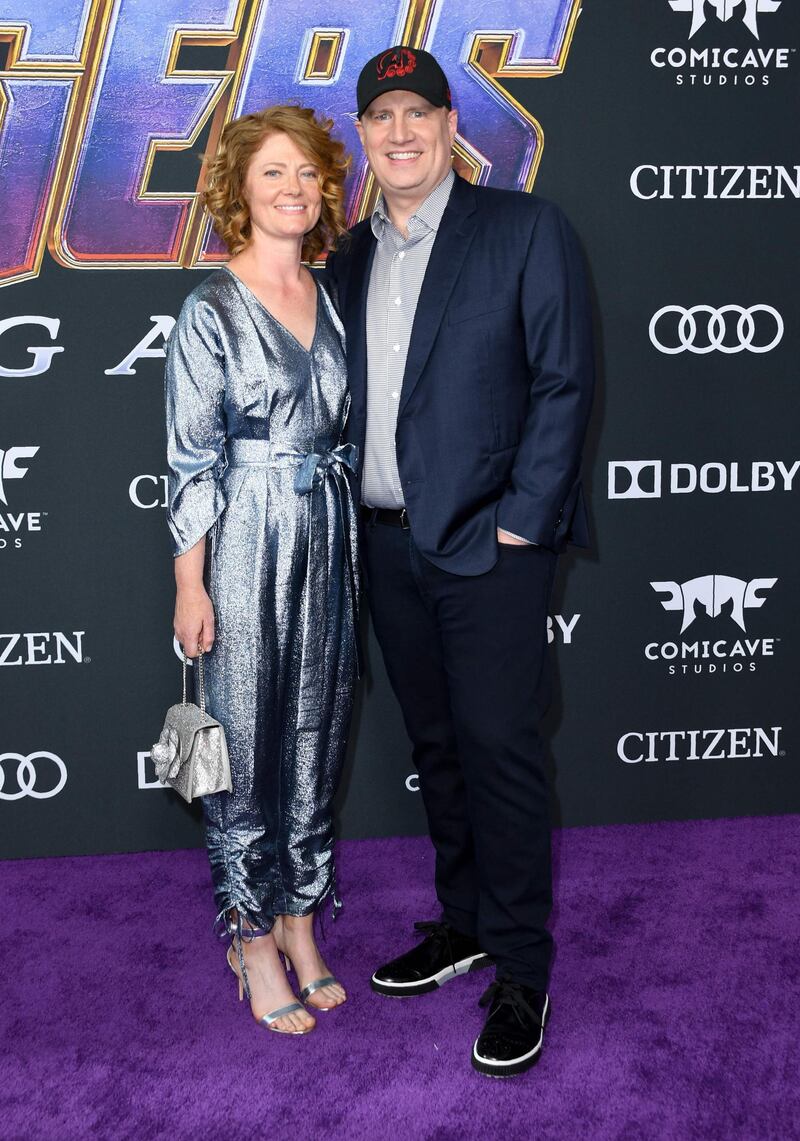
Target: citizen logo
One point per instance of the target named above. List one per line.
(703, 329)
(148, 491)
(39, 775)
(700, 745)
(715, 182)
(52, 649)
(749, 10)
(650, 479)
(711, 593)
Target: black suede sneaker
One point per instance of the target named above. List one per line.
(512, 1037)
(442, 954)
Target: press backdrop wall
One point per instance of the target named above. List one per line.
(664, 129)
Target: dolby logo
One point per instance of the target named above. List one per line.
(652, 479)
(146, 772)
(715, 182)
(700, 745)
(560, 628)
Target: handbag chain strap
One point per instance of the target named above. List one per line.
(201, 678)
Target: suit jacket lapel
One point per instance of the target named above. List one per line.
(355, 322)
(450, 248)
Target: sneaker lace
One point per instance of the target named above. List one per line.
(505, 993)
(438, 932)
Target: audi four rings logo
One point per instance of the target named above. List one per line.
(752, 331)
(38, 775)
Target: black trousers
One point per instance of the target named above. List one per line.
(467, 659)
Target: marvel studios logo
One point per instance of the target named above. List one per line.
(652, 479)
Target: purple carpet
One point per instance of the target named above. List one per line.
(675, 1002)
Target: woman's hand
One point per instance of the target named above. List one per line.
(194, 620)
(194, 612)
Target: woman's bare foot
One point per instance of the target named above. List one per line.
(269, 986)
(294, 936)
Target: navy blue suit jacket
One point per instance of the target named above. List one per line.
(498, 381)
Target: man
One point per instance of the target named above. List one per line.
(471, 377)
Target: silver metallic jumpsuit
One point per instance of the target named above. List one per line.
(254, 424)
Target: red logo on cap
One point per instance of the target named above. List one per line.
(395, 64)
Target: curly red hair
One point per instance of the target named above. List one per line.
(226, 170)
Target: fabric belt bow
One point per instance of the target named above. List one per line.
(315, 465)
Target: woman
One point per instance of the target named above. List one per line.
(263, 528)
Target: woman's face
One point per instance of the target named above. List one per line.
(281, 188)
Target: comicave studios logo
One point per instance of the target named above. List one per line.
(716, 595)
(700, 745)
(15, 524)
(723, 65)
(652, 479)
(38, 775)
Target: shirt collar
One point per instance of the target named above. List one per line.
(429, 213)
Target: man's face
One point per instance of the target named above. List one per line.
(408, 143)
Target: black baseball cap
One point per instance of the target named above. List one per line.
(402, 69)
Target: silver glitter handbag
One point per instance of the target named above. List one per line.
(191, 755)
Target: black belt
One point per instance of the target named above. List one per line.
(390, 517)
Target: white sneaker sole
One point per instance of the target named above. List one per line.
(423, 986)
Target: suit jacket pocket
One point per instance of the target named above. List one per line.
(502, 461)
(475, 308)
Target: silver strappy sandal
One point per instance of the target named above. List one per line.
(266, 1020)
(318, 984)
(314, 986)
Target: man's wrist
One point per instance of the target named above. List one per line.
(520, 539)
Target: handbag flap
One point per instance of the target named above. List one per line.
(187, 721)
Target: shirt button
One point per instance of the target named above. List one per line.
(395, 396)
(398, 301)
(401, 255)
(396, 348)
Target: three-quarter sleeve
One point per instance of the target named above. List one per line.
(195, 405)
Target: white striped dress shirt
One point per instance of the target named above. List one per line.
(398, 269)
